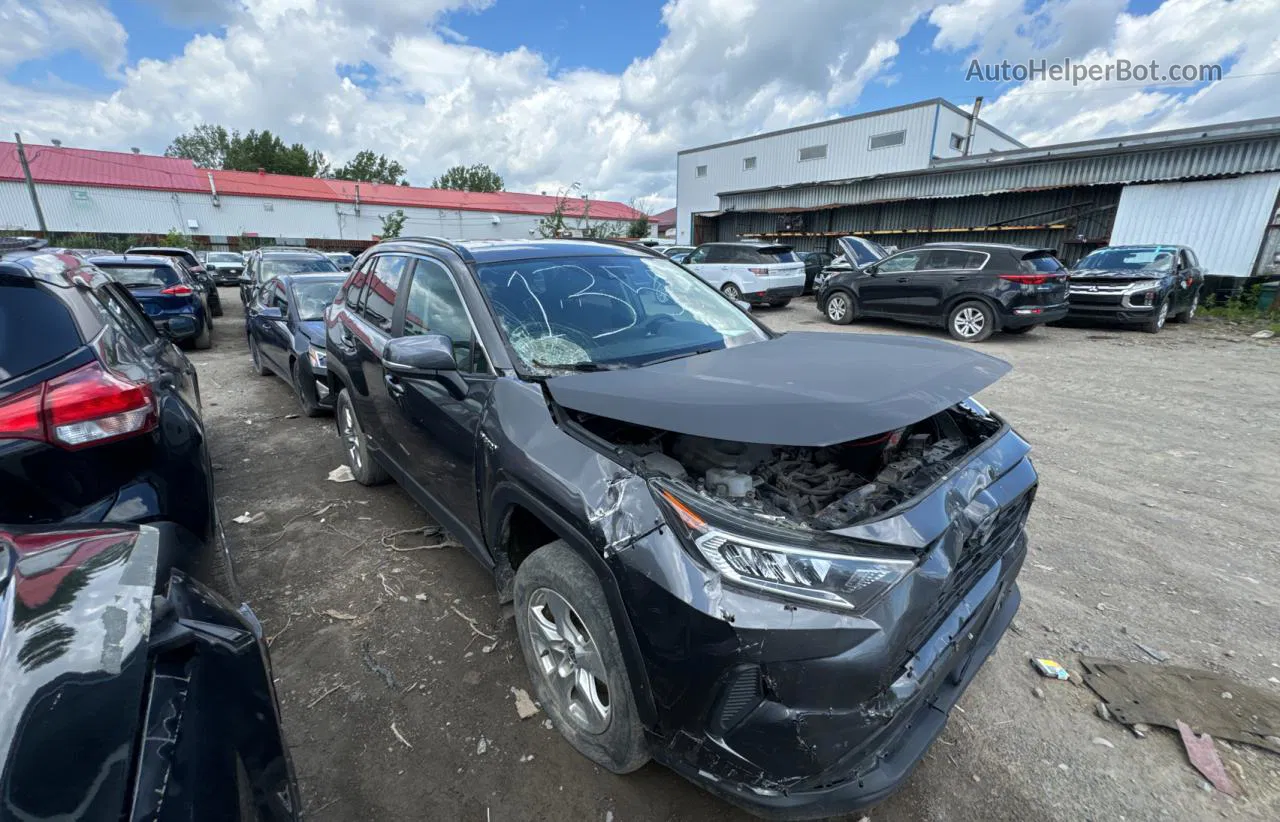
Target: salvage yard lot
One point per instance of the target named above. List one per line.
(1155, 524)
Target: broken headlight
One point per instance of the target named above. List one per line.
(783, 561)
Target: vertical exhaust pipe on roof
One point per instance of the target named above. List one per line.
(973, 124)
(357, 199)
(213, 189)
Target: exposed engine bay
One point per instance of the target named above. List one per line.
(820, 488)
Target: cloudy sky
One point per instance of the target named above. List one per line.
(601, 92)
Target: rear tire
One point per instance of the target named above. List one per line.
(204, 340)
(1158, 318)
(1190, 313)
(839, 308)
(1022, 329)
(575, 661)
(971, 321)
(305, 388)
(259, 364)
(363, 466)
(731, 291)
(215, 307)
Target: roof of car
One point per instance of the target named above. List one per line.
(155, 248)
(314, 277)
(1147, 245)
(291, 249)
(487, 251)
(1014, 249)
(130, 259)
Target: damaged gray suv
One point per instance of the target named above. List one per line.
(770, 562)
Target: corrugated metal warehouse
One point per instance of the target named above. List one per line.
(1213, 188)
(114, 193)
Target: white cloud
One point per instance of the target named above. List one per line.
(46, 28)
(1238, 34)
(343, 75)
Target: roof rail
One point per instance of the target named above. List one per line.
(21, 243)
(437, 241)
(619, 242)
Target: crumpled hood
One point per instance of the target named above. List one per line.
(800, 389)
(75, 618)
(1118, 274)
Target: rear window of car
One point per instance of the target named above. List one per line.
(35, 328)
(224, 257)
(296, 265)
(1043, 263)
(142, 276)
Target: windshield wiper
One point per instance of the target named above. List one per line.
(585, 366)
(680, 356)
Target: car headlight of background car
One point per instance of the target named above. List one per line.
(816, 567)
(316, 356)
(1142, 293)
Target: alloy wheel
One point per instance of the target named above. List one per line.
(569, 661)
(731, 291)
(1163, 315)
(969, 322)
(350, 429)
(837, 307)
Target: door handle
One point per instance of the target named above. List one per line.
(904, 279)
(961, 279)
(345, 341)
(394, 387)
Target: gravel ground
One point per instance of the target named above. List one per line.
(1155, 523)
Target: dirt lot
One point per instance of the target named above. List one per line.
(1155, 523)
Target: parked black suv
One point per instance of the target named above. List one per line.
(1137, 284)
(771, 562)
(971, 289)
(132, 690)
(99, 413)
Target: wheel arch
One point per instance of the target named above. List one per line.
(512, 507)
(951, 304)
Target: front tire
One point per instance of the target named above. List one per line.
(575, 661)
(972, 321)
(838, 308)
(204, 340)
(363, 467)
(305, 387)
(215, 306)
(1158, 318)
(731, 291)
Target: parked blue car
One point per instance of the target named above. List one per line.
(285, 324)
(174, 303)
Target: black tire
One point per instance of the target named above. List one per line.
(260, 366)
(1159, 316)
(1189, 313)
(363, 466)
(731, 291)
(1022, 329)
(204, 340)
(780, 303)
(305, 388)
(620, 744)
(971, 321)
(839, 307)
(215, 305)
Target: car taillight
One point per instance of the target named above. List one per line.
(759, 272)
(1027, 279)
(87, 406)
(178, 290)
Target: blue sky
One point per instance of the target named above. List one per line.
(600, 91)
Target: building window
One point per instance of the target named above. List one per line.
(748, 163)
(700, 171)
(957, 142)
(813, 153)
(888, 139)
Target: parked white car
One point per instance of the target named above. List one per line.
(758, 273)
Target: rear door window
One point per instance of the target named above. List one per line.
(946, 259)
(35, 329)
(384, 284)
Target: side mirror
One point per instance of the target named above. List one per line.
(270, 313)
(419, 355)
(244, 279)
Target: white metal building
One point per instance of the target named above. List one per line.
(891, 140)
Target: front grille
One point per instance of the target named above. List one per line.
(979, 553)
(1099, 288)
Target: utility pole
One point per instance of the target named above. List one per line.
(31, 186)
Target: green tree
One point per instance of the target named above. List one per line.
(205, 145)
(176, 239)
(392, 223)
(367, 167)
(478, 177)
(264, 150)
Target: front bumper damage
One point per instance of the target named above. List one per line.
(793, 711)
